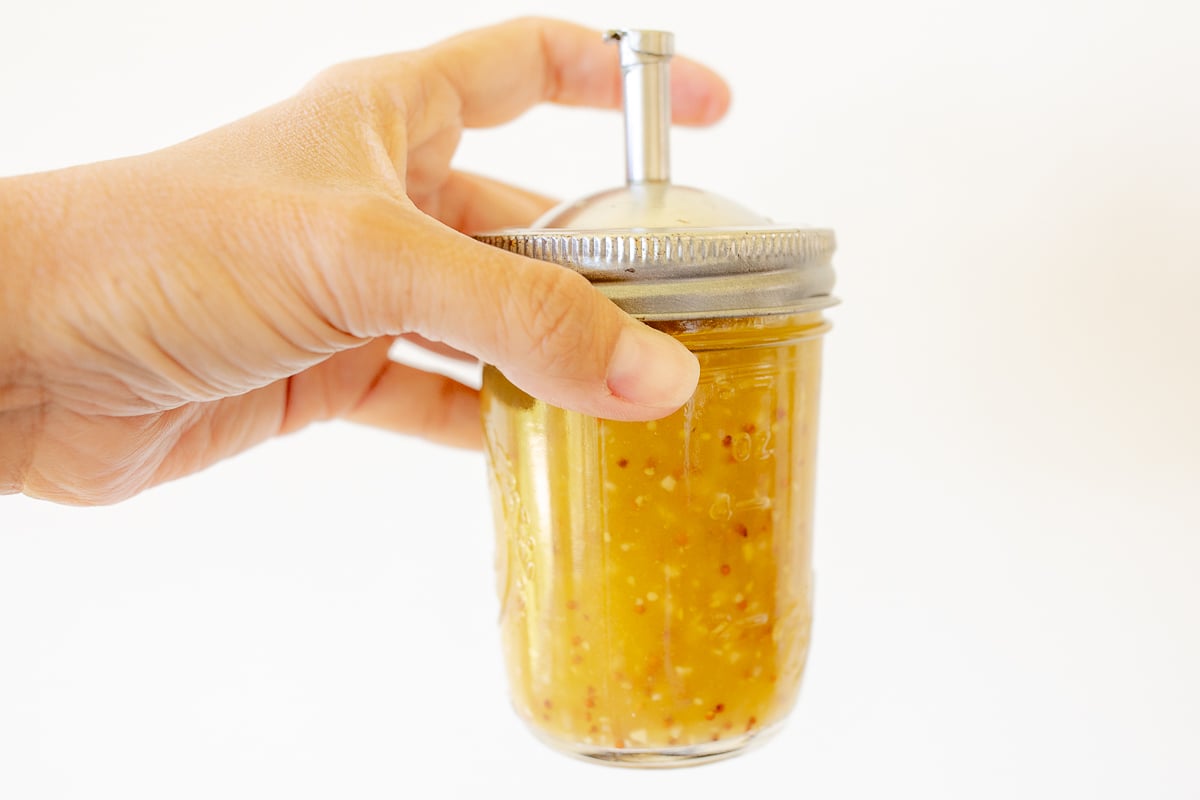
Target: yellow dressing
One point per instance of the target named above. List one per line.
(655, 578)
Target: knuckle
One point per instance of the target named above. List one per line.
(561, 319)
(351, 90)
(349, 246)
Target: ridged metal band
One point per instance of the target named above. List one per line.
(691, 273)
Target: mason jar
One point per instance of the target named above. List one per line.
(655, 578)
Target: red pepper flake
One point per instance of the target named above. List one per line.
(725, 569)
(572, 605)
(716, 737)
(594, 729)
(668, 721)
(576, 641)
(681, 539)
(749, 427)
(619, 744)
(742, 604)
(651, 462)
(547, 704)
(577, 659)
(590, 702)
(708, 715)
(639, 607)
(741, 530)
(752, 722)
(591, 690)
(727, 441)
(719, 708)
(728, 726)
(622, 462)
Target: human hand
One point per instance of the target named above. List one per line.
(165, 311)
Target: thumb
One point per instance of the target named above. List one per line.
(544, 326)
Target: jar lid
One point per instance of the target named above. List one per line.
(661, 251)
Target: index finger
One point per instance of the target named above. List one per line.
(494, 74)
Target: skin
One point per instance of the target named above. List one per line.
(162, 312)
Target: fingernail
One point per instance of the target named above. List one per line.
(651, 369)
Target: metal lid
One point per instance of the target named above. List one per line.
(661, 251)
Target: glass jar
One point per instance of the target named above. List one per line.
(655, 577)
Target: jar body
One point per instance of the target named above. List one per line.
(655, 577)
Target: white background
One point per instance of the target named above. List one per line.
(1009, 496)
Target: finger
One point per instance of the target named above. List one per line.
(387, 395)
(544, 326)
(407, 400)
(472, 203)
(494, 74)
(364, 385)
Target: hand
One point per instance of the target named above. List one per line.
(165, 311)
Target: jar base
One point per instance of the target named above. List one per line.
(661, 757)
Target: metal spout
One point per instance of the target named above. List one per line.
(646, 78)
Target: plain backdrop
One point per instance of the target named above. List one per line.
(1009, 494)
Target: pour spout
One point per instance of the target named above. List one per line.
(646, 80)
